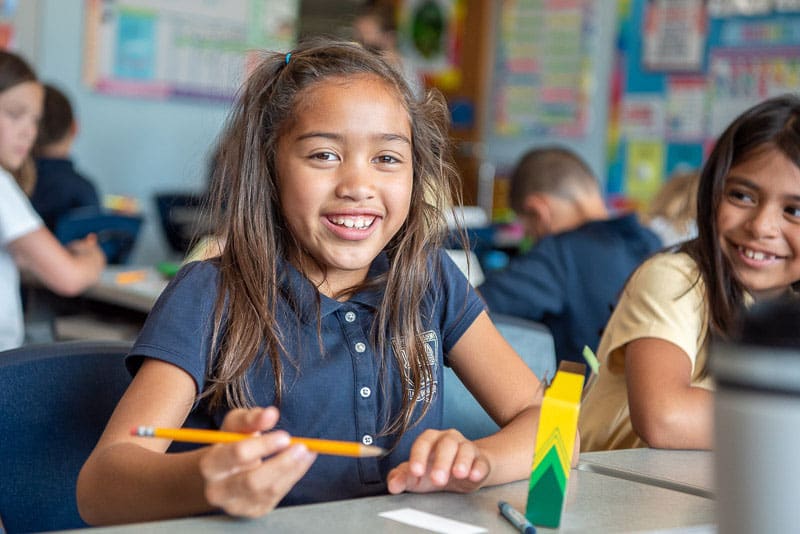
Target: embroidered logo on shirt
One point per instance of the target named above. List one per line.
(431, 343)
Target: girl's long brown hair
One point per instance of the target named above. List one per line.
(774, 123)
(246, 331)
(14, 71)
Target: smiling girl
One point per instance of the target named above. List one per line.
(24, 241)
(329, 314)
(653, 388)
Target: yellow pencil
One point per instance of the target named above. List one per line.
(196, 435)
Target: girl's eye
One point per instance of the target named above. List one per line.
(324, 156)
(793, 211)
(386, 158)
(740, 196)
(12, 113)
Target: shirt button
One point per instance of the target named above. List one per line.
(360, 347)
(365, 392)
(367, 439)
(350, 317)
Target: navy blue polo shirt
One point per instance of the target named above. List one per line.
(331, 392)
(570, 281)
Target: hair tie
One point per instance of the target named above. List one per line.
(289, 55)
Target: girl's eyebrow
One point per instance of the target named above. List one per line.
(339, 137)
(747, 183)
(741, 181)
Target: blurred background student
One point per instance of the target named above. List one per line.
(672, 213)
(375, 27)
(572, 276)
(25, 243)
(59, 187)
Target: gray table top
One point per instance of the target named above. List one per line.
(687, 471)
(595, 503)
(139, 294)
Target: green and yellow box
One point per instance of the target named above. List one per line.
(555, 442)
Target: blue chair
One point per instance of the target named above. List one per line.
(55, 399)
(116, 233)
(182, 219)
(533, 343)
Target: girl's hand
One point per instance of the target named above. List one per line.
(89, 251)
(249, 478)
(83, 245)
(440, 460)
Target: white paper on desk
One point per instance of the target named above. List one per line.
(434, 523)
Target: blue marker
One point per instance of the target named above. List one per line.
(515, 518)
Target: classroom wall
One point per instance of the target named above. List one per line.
(136, 146)
(128, 146)
(504, 152)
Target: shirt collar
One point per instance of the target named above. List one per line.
(302, 296)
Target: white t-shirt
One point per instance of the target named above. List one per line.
(17, 218)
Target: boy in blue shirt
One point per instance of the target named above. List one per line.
(572, 276)
(59, 187)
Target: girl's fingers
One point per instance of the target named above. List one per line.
(442, 456)
(401, 479)
(256, 491)
(239, 479)
(480, 470)
(222, 460)
(438, 460)
(250, 420)
(419, 456)
(464, 460)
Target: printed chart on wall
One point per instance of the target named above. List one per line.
(181, 48)
(684, 70)
(543, 68)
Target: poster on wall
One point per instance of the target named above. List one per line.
(181, 48)
(543, 68)
(430, 39)
(674, 35)
(664, 121)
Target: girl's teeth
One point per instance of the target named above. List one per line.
(754, 255)
(358, 222)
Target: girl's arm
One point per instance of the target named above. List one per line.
(666, 411)
(67, 271)
(130, 479)
(509, 391)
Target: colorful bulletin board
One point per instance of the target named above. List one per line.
(542, 79)
(181, 48)
(684, 69)
(430, 39)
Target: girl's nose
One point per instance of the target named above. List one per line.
(765, 222)
(356, 181)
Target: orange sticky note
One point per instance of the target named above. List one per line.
(130, 277)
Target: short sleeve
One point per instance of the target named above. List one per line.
(664, 300)
(17, 216)
(459, 304)
(179, 328)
